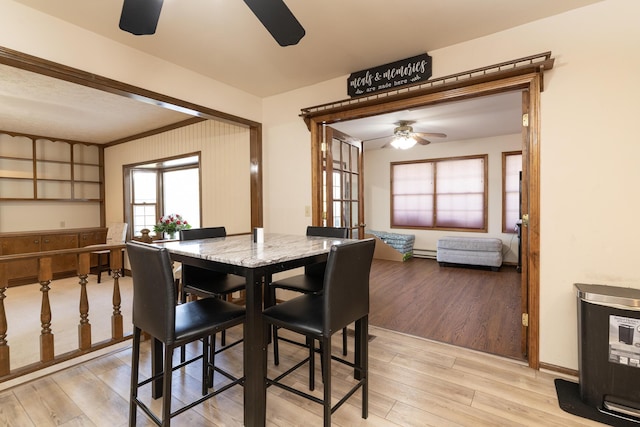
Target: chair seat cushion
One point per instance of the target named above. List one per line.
(302, 314)
(222, 284)
(197, 318)
(301, 283)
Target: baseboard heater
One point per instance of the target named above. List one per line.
(425, 253)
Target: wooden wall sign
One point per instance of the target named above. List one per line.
(416, 69)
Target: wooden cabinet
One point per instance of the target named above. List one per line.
(61, 263)
(22, 272)
(96, 237)
(21, 245)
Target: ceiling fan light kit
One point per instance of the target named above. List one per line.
(403, 142)
(140, 17)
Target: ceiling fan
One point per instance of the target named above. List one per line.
(404, 137)
(140, 17)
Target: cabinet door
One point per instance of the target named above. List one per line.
(93, 238)
(61, 263)
(21, 245)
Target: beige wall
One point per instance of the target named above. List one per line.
(589, 153)
(377, 189)
(588, 137)
(38, 34)
(224, 157)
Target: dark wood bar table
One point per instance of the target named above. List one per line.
(256, 262)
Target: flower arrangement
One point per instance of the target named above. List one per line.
(171, 224)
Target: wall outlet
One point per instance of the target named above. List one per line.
(62, 224)
(307, 211)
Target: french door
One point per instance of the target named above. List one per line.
(342, 182)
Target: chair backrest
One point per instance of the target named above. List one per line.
(116, 233)
(317, 270)
(203, 233)
(192, 275)
(337, 232)
(154, 295)
(346, 284)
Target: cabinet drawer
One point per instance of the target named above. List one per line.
(21, 245)
(61, 263)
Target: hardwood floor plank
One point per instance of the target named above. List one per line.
(13, 413)
(97, 399)
(46, 404)
(524, 414)
(468, 307)
(413, 382)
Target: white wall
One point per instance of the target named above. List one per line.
(588, 137)
(589, 153)
(378, 186)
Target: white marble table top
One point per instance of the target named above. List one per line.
(242, 251)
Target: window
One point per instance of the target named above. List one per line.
(440, 193)
(143, 200)
(511, 169)
(162, 187)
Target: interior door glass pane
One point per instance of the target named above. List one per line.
(346, 214)
(336, 152)
(337, 218)
(354, 213)
(346, 188)
(345, 157)
(337, 185)
(354, 187)
(354, 159)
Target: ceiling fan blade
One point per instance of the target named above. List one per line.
(421, 141)
(278, 20)
(431, 134)
(140, 17)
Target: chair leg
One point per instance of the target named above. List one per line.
(183, 350)
(344, 341)
(135, 368)
(326, 379)
(205, 365)
(166, 387)
(364, 364)
(312, 363)
(361, 360)
(212, 360)
(276, 350)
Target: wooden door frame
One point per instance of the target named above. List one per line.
(529, 81)
(329, 134)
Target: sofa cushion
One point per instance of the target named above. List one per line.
(477, 244)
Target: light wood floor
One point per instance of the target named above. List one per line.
(413, 382)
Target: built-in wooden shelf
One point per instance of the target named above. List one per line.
(33, 168)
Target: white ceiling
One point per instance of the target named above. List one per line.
(222, 39)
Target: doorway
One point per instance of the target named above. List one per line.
(529, 84)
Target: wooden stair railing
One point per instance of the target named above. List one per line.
(45, 277)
